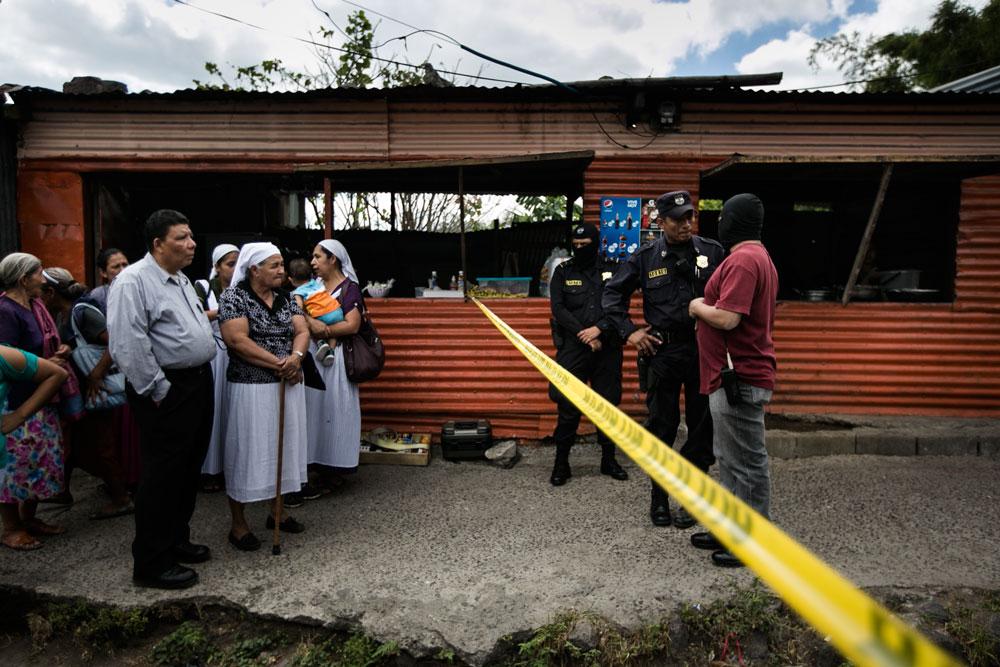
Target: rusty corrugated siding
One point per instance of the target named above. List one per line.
(319, 130)
(446, 361)
(977, 280)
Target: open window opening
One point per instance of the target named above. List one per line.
(817, 215)
(472, 220)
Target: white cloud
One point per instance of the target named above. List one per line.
(790, 53)
(162, 45)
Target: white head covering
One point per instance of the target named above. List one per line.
(252, 254)
(340, 252)
(220, 251)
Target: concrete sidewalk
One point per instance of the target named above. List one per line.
(459, 555)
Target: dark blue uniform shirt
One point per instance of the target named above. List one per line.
(576, 295)
(670, 276)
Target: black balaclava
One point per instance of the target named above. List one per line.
(586, 255)
(742, 220)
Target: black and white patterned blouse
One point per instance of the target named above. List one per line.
(270, 328)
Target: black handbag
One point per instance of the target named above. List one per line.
(364, 353)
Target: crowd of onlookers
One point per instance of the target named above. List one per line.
(184, 386)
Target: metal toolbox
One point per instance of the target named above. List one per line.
(466, 440)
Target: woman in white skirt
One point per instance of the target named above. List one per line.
(223, 264)
(267, 337)
(335, 414)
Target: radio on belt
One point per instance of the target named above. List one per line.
(466, 440)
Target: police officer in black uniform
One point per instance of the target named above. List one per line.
(587, 345)
(671, 271)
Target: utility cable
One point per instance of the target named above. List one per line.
(335, 48)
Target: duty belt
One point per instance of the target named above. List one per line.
(673, 335)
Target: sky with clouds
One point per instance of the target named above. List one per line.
(162, 45)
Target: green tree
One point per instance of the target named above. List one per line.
(352, 64)
(960, 41)
(544, 208)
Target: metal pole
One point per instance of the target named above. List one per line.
(392, 211)
(461, 222)
(327, 208)
(866, 238)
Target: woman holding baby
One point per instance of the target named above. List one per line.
(334, 415)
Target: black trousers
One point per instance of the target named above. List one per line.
(674, 366)
(173, 440)
(604, 372)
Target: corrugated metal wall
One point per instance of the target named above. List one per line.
(977, 281)
(306, 130)
(446, 361)
(868, 358)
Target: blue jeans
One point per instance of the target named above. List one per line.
(738, 443)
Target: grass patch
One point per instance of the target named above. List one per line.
(967, 626)
(103, 629)
(189, 644)
(355, 651)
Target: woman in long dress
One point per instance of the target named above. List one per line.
(16, 470)
(266, 335)
(34, 469)
(334, 415)
(223, 264)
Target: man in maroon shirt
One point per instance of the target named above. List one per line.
(736, 344)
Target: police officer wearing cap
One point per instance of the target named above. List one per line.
(671, 271)
(587, 345)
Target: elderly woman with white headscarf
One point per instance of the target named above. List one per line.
(266, 335)
(223, 264)
(335, 414)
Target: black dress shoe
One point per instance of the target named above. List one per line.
(659, 514)
(706, 541)
(683, 520)
(723, 558)
(560, 475)
(248, 542)
(176, 577)
(613, 470)
(292, 500)
(289, 525)
(186, 552)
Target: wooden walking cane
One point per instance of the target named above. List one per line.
(276, 542)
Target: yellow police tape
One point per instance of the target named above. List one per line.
(863, 630)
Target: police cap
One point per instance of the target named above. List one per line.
(583, 230)
(674, 204)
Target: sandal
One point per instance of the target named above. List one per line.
(113, 511)
(61, 498)
(248, 542)
(38, 528)
(20, 540)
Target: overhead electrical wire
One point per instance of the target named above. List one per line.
(416, 30)
(311, 42)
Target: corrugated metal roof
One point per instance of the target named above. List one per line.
(615, 90)
(986, 81)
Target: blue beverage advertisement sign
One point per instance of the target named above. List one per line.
(621, 219)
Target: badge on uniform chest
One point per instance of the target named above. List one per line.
(656, 273)
(606, 276)
(701, 261)
(574, 283)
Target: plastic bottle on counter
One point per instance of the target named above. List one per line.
(461, 281)
(453, 285)
(432, 283)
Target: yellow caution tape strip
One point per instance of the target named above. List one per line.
(864, 631)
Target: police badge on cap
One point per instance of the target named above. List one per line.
(586, 231)
(674, 204)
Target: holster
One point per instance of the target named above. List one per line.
(730, 383)
(558, 337)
